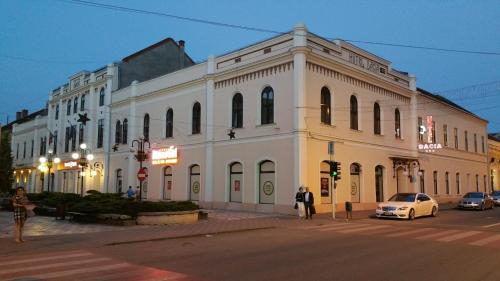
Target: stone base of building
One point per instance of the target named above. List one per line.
(163, 218)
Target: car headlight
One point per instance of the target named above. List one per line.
(402, 208)
(379, 208)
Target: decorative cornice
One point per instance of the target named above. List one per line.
(287, 66)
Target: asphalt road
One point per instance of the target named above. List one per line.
(457, 245)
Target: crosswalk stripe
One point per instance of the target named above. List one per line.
(458, 236)
(320, 226)
(486, 240)
(409, 232)
(344, 226)
(363, 228)
(383, 231)
(31, 260)
(437, 234)
(52, 265)
(94, 269)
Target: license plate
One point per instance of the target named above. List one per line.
(388, 213)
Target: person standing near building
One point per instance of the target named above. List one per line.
(309, 204)
(299, 201)
(138, 193)
(19, 202)
(130, 192)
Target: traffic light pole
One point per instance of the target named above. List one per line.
(332, 188)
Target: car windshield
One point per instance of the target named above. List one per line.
(473, 195)
(496, 193)
(403, 197)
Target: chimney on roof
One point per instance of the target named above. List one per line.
(18, 115)
(24, 113)
(181, 53)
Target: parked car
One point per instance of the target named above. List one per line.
(408, 206)
(476, 200)
(495, 195)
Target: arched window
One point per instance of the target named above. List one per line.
(118, 132)
(146, 127)
(376, 119)
(119, 181)
(267, 182)
(125, 131)
(457, 182)
(325, 106)
(447, 182)
(169, 127)
(57, 112)
(355, 182)
(379, 183)
(236, 182)
(82, 103)
(397, 123)
(267, 106)
(196, 126)
(167, 183)
(68, 107)
(237, 121)
(75, 105)
(354, 112)
(101, 97)
(194, 182)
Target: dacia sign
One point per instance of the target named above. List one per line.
(429, 147)
(164, 156)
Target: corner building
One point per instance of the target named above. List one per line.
(285, 99)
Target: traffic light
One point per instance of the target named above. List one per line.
(338, 171)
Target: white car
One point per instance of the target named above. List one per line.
(408, 206)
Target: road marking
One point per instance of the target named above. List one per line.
(409, 232)
(45, 266)
(491, 225)
(458, 236)
(486, 240)
(324, 225)
(334, 228)
(93, 269)
(46, 258)
(440, 233)
(363, 228)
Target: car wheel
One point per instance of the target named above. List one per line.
(434, 211)
(411, 214)
(482, 207)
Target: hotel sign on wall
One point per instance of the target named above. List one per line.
(430, 146)
(162, 156)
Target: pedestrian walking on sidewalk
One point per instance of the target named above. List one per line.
(309, 204)
(19, 202)
(130, 192)
(299, 202)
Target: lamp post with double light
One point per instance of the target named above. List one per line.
(82, 159)
(141, 156)
(46, 164)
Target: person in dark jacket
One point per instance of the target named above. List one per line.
(299, 201)
(309, 203)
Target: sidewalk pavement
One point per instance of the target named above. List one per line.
(219, 222)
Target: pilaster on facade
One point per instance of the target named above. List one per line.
(209, 139)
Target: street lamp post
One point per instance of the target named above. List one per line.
(46, 163)
(83, 159)
(141, 156)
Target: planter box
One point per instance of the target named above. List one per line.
(163, 218)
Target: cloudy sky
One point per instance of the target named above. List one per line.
(43, 42)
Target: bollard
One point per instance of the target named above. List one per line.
(348, 210)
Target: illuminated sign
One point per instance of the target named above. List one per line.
(164, 156)
(70, 164)
(430, 147)
(429, 129)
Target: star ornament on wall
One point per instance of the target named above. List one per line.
(82, 118)
(231, 134)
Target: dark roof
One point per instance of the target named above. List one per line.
(155, 45)
(494, 136)
(447, 101)
(42, 112)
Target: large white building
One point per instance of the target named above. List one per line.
(285, 99)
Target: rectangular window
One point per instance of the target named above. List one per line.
(445, 135)
(455, 132)
(55, 142)
(100, 133)
(422, 181)
(484, 183)
(482, 143)
(433, 131)
(82, 103)
(435, 178)
(475, 143)
(477, 183)
(447, 181)
(17, 151)
(73, 138)
(80, 134)
(24, 150)
(466, 141)
(66, 140)
(457, 182)
(420, 129)
(33, 147)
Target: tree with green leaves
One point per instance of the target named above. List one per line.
(6, 170)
